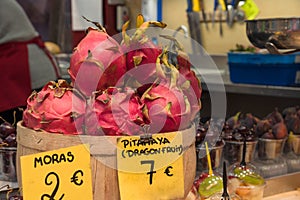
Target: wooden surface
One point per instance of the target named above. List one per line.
(292, 195)
(282, 184)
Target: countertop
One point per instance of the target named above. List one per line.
(264, 90)
(291, 195)
(217, 67)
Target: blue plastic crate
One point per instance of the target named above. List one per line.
(264, 69)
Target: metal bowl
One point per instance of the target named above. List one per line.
(284, 33)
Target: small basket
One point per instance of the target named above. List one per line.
(233, 151)
(215, 154)
(270, 149)
(294, 143)
(8, 164)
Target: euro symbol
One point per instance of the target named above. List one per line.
(167, 171)
(75, 179)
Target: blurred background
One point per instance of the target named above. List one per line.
(53, 19)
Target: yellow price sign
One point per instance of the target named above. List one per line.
(63, 174)
(151, 168)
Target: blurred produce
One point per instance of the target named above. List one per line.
(242, 48)
(209, 183)
(7, 134)
(246, 183)
(272, 126)
(8, 150)
(52, 47)
(291, 117)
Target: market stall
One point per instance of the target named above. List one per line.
(143, 109)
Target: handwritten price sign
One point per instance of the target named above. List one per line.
(59, 174)
(151, 168)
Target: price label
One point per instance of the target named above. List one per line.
(60, 174)
(151, 168)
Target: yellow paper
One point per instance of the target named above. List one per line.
(251, 10)
(61, 174)
(152, 170)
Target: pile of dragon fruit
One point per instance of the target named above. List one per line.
(125, 88)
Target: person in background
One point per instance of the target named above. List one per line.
(25, 63)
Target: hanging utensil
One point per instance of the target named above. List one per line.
(220, 22)
(203, 14)
(194, 26)
(227, 12)
(216, 5)
(231, 11)
(235, 3)
(190, 6)
(222, 8)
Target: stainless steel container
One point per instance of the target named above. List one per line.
(284, 33)
(8, 164)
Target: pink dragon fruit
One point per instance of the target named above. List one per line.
(166, 107)
(187, 79)
(97, 62)
(141, 52)
(114, 112)
(190, 85)
(57, 108)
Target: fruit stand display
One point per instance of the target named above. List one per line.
(137, 99)
(129, 90)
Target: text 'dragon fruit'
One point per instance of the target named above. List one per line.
(97, 62)
(57, 108)
(114, 111)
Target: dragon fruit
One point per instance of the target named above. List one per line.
(104, 98)
(141, 52)
(191, 88)
(97, 62)
(165, 105)
(114, 111)
(57, 108)
(187, 80)
(166, 108)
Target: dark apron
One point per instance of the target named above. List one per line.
(15, 82)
